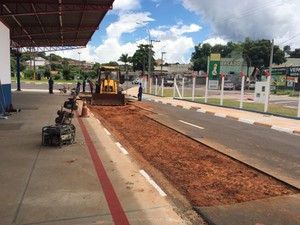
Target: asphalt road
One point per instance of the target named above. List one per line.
(270, 149)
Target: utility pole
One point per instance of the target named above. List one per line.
(161, 63)
(79, 64)
(269, 78)
(150, 57)
(149, 49)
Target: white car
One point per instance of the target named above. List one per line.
(252, 85)
(136, 81)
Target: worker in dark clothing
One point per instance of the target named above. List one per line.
(78, 88)
(51, 84)
(140, 92)
(83, 85)
(275, 85)
(91, 86)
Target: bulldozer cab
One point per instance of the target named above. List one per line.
(109, 91)
(108, 79)
(109, 74)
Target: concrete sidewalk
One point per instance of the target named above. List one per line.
(79, 184)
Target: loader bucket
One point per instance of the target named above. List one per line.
(108, 99)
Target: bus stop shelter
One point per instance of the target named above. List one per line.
(45, 25)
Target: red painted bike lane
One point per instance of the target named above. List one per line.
(113, 202)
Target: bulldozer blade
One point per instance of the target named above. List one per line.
(108, 99)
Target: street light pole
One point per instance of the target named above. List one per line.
(161, 65)
(149, 49)
(79, 63)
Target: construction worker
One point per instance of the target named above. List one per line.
(140, 92)
(275, 84)
(83, 84)
(51, 83)
(91, 86)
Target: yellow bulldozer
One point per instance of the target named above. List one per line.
(108, 89)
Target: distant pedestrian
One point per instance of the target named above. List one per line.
(91, 86)
(51, 84)
(83, 85)
(78, 87)
(275, 85)
(140, 92)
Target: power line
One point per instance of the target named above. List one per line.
(290, 38)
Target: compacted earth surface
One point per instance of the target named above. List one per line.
(204, 176)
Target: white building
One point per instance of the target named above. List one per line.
(38, 61)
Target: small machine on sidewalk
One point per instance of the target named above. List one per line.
(63, 132)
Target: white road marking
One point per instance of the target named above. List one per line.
(151, 181)
(98, 121)
(123, 150)
(107, 131)
(92, 114)
(282, 129)
(220, 115)
(201, 110)
(186, 107)
(246, 121)
(193, 125)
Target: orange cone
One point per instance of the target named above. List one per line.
(84, 112)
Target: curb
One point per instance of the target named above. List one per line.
(243, 120)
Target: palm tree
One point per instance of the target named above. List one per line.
(125, 59)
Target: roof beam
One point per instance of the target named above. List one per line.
(38, 19)
(45, 49)
(17, 32)
(17, 8)
(54, 42)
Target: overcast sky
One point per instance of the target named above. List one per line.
(179, 25)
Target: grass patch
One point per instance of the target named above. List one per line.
(44, 80)
(272, 108)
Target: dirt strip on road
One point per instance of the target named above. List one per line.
(204, 176)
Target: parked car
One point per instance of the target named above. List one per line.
(168, 82)
(252, 85)
(136, 81)
(228, 85)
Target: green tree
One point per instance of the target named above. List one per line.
(125, 59)
(295, 53)
(25, 56)
(258, 52)
(47, 73)
(95, 67)
(111, 63)
(140, 58)
(28, 73)
(202, 51)
(287, 49)
(199, 56)
(67, 74)
(52, 57)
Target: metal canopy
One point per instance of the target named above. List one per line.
(49, 25)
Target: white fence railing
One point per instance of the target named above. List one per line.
(180, 84)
